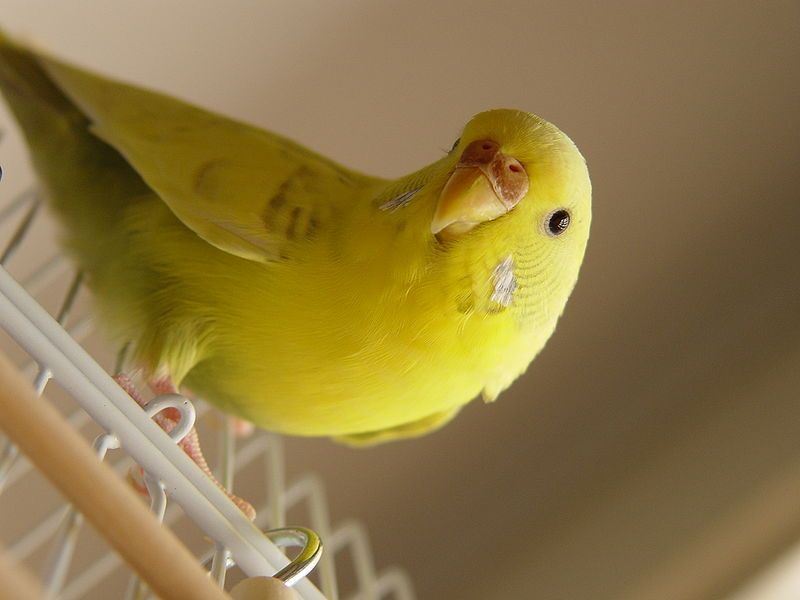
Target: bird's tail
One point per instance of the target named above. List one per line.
(86, 181)
(47, 118)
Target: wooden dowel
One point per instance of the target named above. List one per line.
(262, 588)
(68, 461)
(16, 581)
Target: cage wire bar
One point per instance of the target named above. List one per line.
(57, 354)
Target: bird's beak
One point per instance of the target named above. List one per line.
(485, 184)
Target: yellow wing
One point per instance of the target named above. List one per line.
(242, 189)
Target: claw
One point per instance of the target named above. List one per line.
(241, 428)
(167, 419)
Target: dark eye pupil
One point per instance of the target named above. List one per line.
(558, 222)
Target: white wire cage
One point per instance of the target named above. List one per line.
(45, 318)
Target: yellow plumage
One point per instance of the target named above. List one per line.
(289, 290)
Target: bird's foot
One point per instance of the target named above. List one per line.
(242, 428)
(167, 419)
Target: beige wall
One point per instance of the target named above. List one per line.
(652, 451)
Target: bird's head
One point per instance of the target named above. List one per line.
(510, 203)
(513, 169)
(508, 170)
(517, 198)
(513, 190)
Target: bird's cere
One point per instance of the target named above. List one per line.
(505, 173)
(504, 282)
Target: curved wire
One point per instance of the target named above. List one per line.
(308, 558)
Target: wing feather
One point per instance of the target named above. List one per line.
(242, 189)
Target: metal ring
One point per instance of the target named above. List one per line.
(308, 558)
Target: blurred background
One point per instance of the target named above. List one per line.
(652, 451)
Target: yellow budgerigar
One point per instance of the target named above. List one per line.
(291, 291)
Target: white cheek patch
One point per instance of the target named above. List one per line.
(504, 282)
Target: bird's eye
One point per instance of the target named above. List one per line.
(557, 222)
(455, 144)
